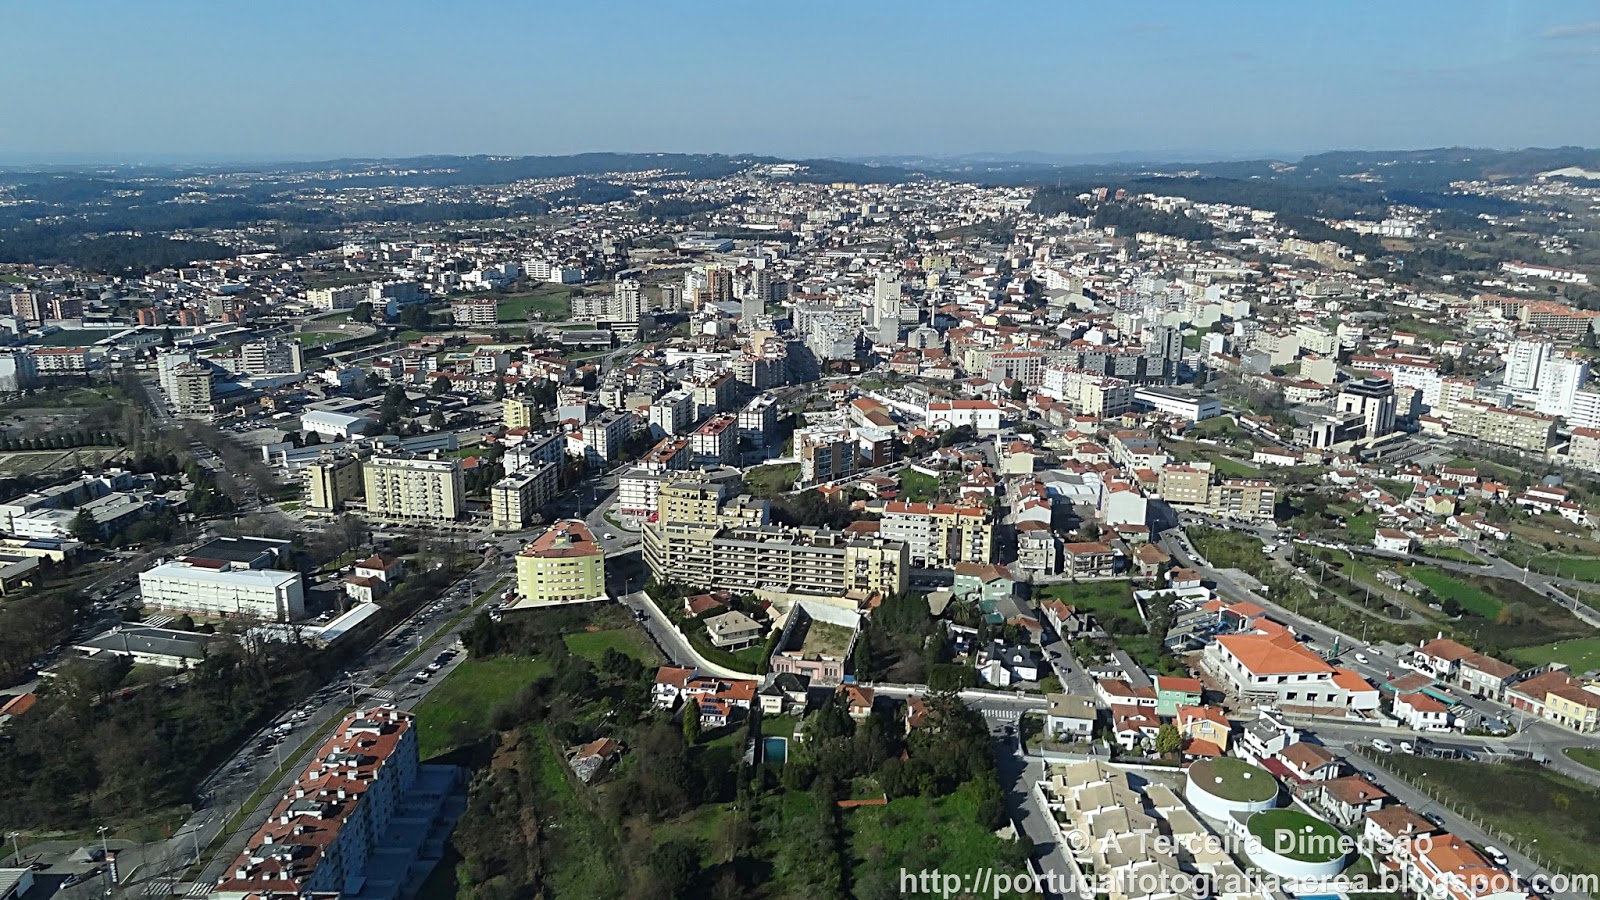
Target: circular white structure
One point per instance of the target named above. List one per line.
(1219, 787)
(1291, 844)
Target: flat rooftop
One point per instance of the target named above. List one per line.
(823, 639)
(243, 550)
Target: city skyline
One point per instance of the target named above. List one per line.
(180, 82)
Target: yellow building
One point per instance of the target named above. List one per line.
(330, 482)
(520, 412)
(564, 565)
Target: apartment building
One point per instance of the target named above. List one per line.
(330, 298)
(604, 436)
(758, 421)
(1518, 429)
(331, 481)
(940, 535)
(271, 357)
(516, 500)
(475, 312)
(1584, 448)
(716, 441)
(1185, 484)
(414, 488)
(704, 539)
(364, 819)
(826, 454)
(191, 389)
(564, 565)
(714, 394)
(672, 412)
(520, 412)
(1373, 400)
(52, 361)
(1243, 498)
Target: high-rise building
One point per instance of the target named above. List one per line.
(415, 488)
(627, 301)
(564, 565)
(191, 388)
(359, 816)
(270, 357)
(1373, 400)
(521, 412)
(1525, 360)
(330, 482)
(672, 412)
(516, 501)
(1559, 383)
(940, 535)
(886, 307)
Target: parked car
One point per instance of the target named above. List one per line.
(1495, 855)
(1382, 746)
(1407, 747)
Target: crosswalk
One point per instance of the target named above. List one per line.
(158, 621)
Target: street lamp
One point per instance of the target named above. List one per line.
(15, 847)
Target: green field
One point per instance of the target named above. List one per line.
(1233, 784)
(915, 833)
(770, 481)
(917, 487)
(592, 645)
(1363, 527)
(1477, 602)
(74, 338)
(457, 711)
(1587, 756)
(1580, 655)
(1228, 467)
(551, 301)
(1524, 800)
(1578, 568)
(1107, 601)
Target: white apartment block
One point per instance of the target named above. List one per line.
(415, 489)
(271, 357)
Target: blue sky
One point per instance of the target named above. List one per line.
(293, 80)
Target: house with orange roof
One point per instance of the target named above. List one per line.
(1269, 666)
(1422, 711)
(1446, 867)
(1207, 730)
(1173, 691)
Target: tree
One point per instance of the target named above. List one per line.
(167, 340)
(1169, 739)
(436, 419)
(691, 722)
(313, 438)
(361, 313)
(1019, 391)
(184, 622)
(416, 316)
(440, 385)
(675, 863)
(84, 527)
(862, 659)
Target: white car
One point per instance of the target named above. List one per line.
(1495, 856)
(1407, 747)
(1361, 658)
(1382, 746)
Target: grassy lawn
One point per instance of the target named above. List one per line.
(1107, 601)
(312, 339)
(1477, 602)
(1524, 800)
(457, 711)
(1234, 779)
(919, 833)
(1454, 554)
(1362, 527)
(552, 301)
(1581, 655)
(1313, 840)
(1228, 467)
(592, 645)
(74, 338)
(1587, 756)
(1485, 468)
(770, 481)
(1579, 568)
(917, 487)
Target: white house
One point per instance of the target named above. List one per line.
(1422, 712)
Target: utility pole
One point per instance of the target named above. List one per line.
(16, 848)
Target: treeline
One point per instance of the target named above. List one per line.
(60, 440)
(1131, 218)
(112, 255)
(682, 207)
(92, 750)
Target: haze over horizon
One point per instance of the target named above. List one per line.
(182, 81)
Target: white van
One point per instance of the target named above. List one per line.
(1382, 746)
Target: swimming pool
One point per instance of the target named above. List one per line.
(775, 749)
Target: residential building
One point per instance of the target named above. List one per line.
(604, 436)
(1518, 429)
(521, 412)
(475, 312)
(733, 630)
(191, 389)
(672, 413)
(415, 488)
(758, 421)
(18, 371)
(365, 819)
(331, 298)
(563, 565)
(1086, 559)
(1272, 667)
(716, 441)
(517, 500)
(940, 535)
(1373, 400)
(826, 454)
(816, 643)
(331, 481)
(270, 357)
(1070, 717)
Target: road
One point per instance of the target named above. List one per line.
(392, 662)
